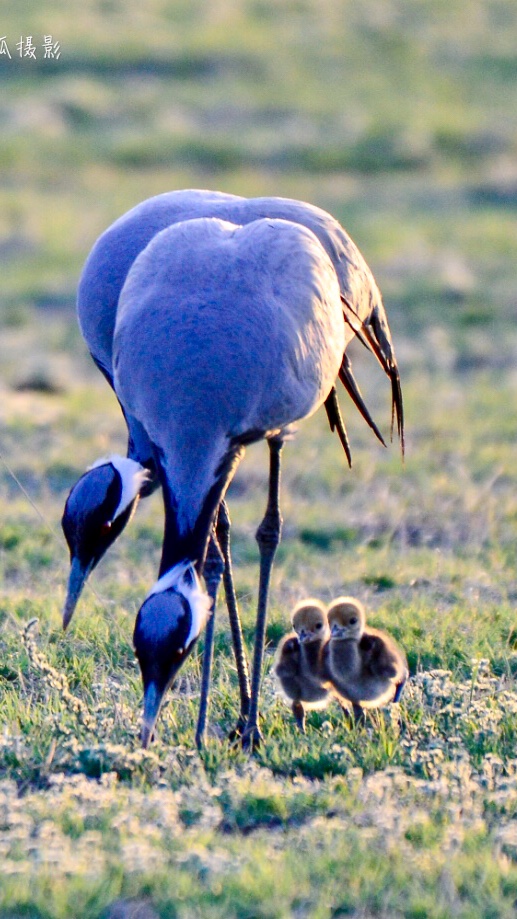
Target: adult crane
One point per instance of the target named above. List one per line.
(225, 335)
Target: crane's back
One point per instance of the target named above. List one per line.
(116, 249)
(240, 326)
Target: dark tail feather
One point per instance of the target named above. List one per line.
(348, 380)
(336, 422)
(397, 408)
(381, 331)
(366, 337)
(375, 336)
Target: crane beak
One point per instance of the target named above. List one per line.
(155, 689)
(152, 704)
(76, 580)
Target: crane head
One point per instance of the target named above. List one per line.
(167, 627)
(97, 509)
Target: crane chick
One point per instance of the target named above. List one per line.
(363, 665)
(299, 659)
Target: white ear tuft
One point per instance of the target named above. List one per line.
(184, 580)
(106, 460)
(132, 476)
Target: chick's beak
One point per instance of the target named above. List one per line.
(76, 580)
(307, 636)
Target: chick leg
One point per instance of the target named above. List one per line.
(299, 715)
(359, 716)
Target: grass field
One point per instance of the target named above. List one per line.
(401, 119)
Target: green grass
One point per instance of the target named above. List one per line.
(399, 118)
(411, 816)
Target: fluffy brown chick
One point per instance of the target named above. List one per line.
(299, 660)
(363, 664)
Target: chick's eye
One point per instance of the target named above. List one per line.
(353, 620)
(319, 625)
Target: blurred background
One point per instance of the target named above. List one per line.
(397, 116)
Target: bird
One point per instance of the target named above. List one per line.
(172, 616)
(298, 664)
(362, 665)
(120, 480)
(89, 529)
(88, 508)
(225, 335)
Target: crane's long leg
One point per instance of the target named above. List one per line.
(212, 573)
(223, 538)
(268, 537)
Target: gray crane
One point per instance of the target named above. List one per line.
(225, 335)
(95, 513)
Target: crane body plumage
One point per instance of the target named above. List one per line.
(234, 334)
(116, 249)
(214, 313)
